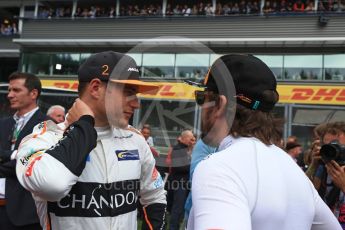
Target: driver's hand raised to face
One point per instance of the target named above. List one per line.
(78, 109)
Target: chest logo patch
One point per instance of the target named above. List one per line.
(127, 155)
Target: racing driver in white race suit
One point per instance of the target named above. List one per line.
(90, 176)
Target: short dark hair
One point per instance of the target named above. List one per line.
(31, 81)
(146, 127)
(255, 123)
(334, 128)
(81, 87)
(319, 130)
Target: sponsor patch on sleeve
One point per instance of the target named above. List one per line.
(154, 173)
(31, 161)
(157, 179)
(127, 155)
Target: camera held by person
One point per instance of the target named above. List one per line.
(333, 151)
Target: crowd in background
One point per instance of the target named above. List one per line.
(307, 157)
(202, 8)
(8, 28)
(178, 164)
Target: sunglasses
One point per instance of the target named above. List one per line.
(200, 96)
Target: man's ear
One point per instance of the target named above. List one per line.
(221, 106)
(95, 87)
(34, 94)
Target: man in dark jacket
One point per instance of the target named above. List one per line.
(17, 208)
(179, 177)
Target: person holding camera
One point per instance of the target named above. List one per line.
(330, 174)
(314, 155)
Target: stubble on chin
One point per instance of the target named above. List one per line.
(206, 125)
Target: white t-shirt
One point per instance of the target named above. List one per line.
(150, 141)
(250, 185)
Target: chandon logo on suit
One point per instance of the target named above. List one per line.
(95, 199)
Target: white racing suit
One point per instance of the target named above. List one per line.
(88, 179)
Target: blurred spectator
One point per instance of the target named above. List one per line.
(326, 5)
(143, 11)
(78, 12)
(14, 28)
(226, 9)
(195, 10)
(219, 9)
(331, 174)
(151, 10)
(60, 12)
(283, 6)
(191, 145)
(177, 10)
(291, 139)
(255, 9)
(275, 7)
(112, 12)
(68, 12)
(57, 113)
(186, 11)
(209, 10)
(92, 12)
(338, 6)
(267, 7)
(8, 28)
(43, 12)
(310, 6)
(235, 9)
(146, 132)
(169, 11)
(2, 29)
(294, 149)
(179, 177)
(298, 6)
(85, 13)
(290, 5)
(159, 10)
(136, 10)
(199, 153)
(201, 10)
(310, 158)
(241, 7)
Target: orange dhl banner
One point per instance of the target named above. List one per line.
(311, 94)
(167, 90)
(299, 94)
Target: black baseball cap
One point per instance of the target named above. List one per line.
(291, 145)
(115, 67)
(254, 82)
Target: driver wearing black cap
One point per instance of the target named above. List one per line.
(91, 175)
(250, 183)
